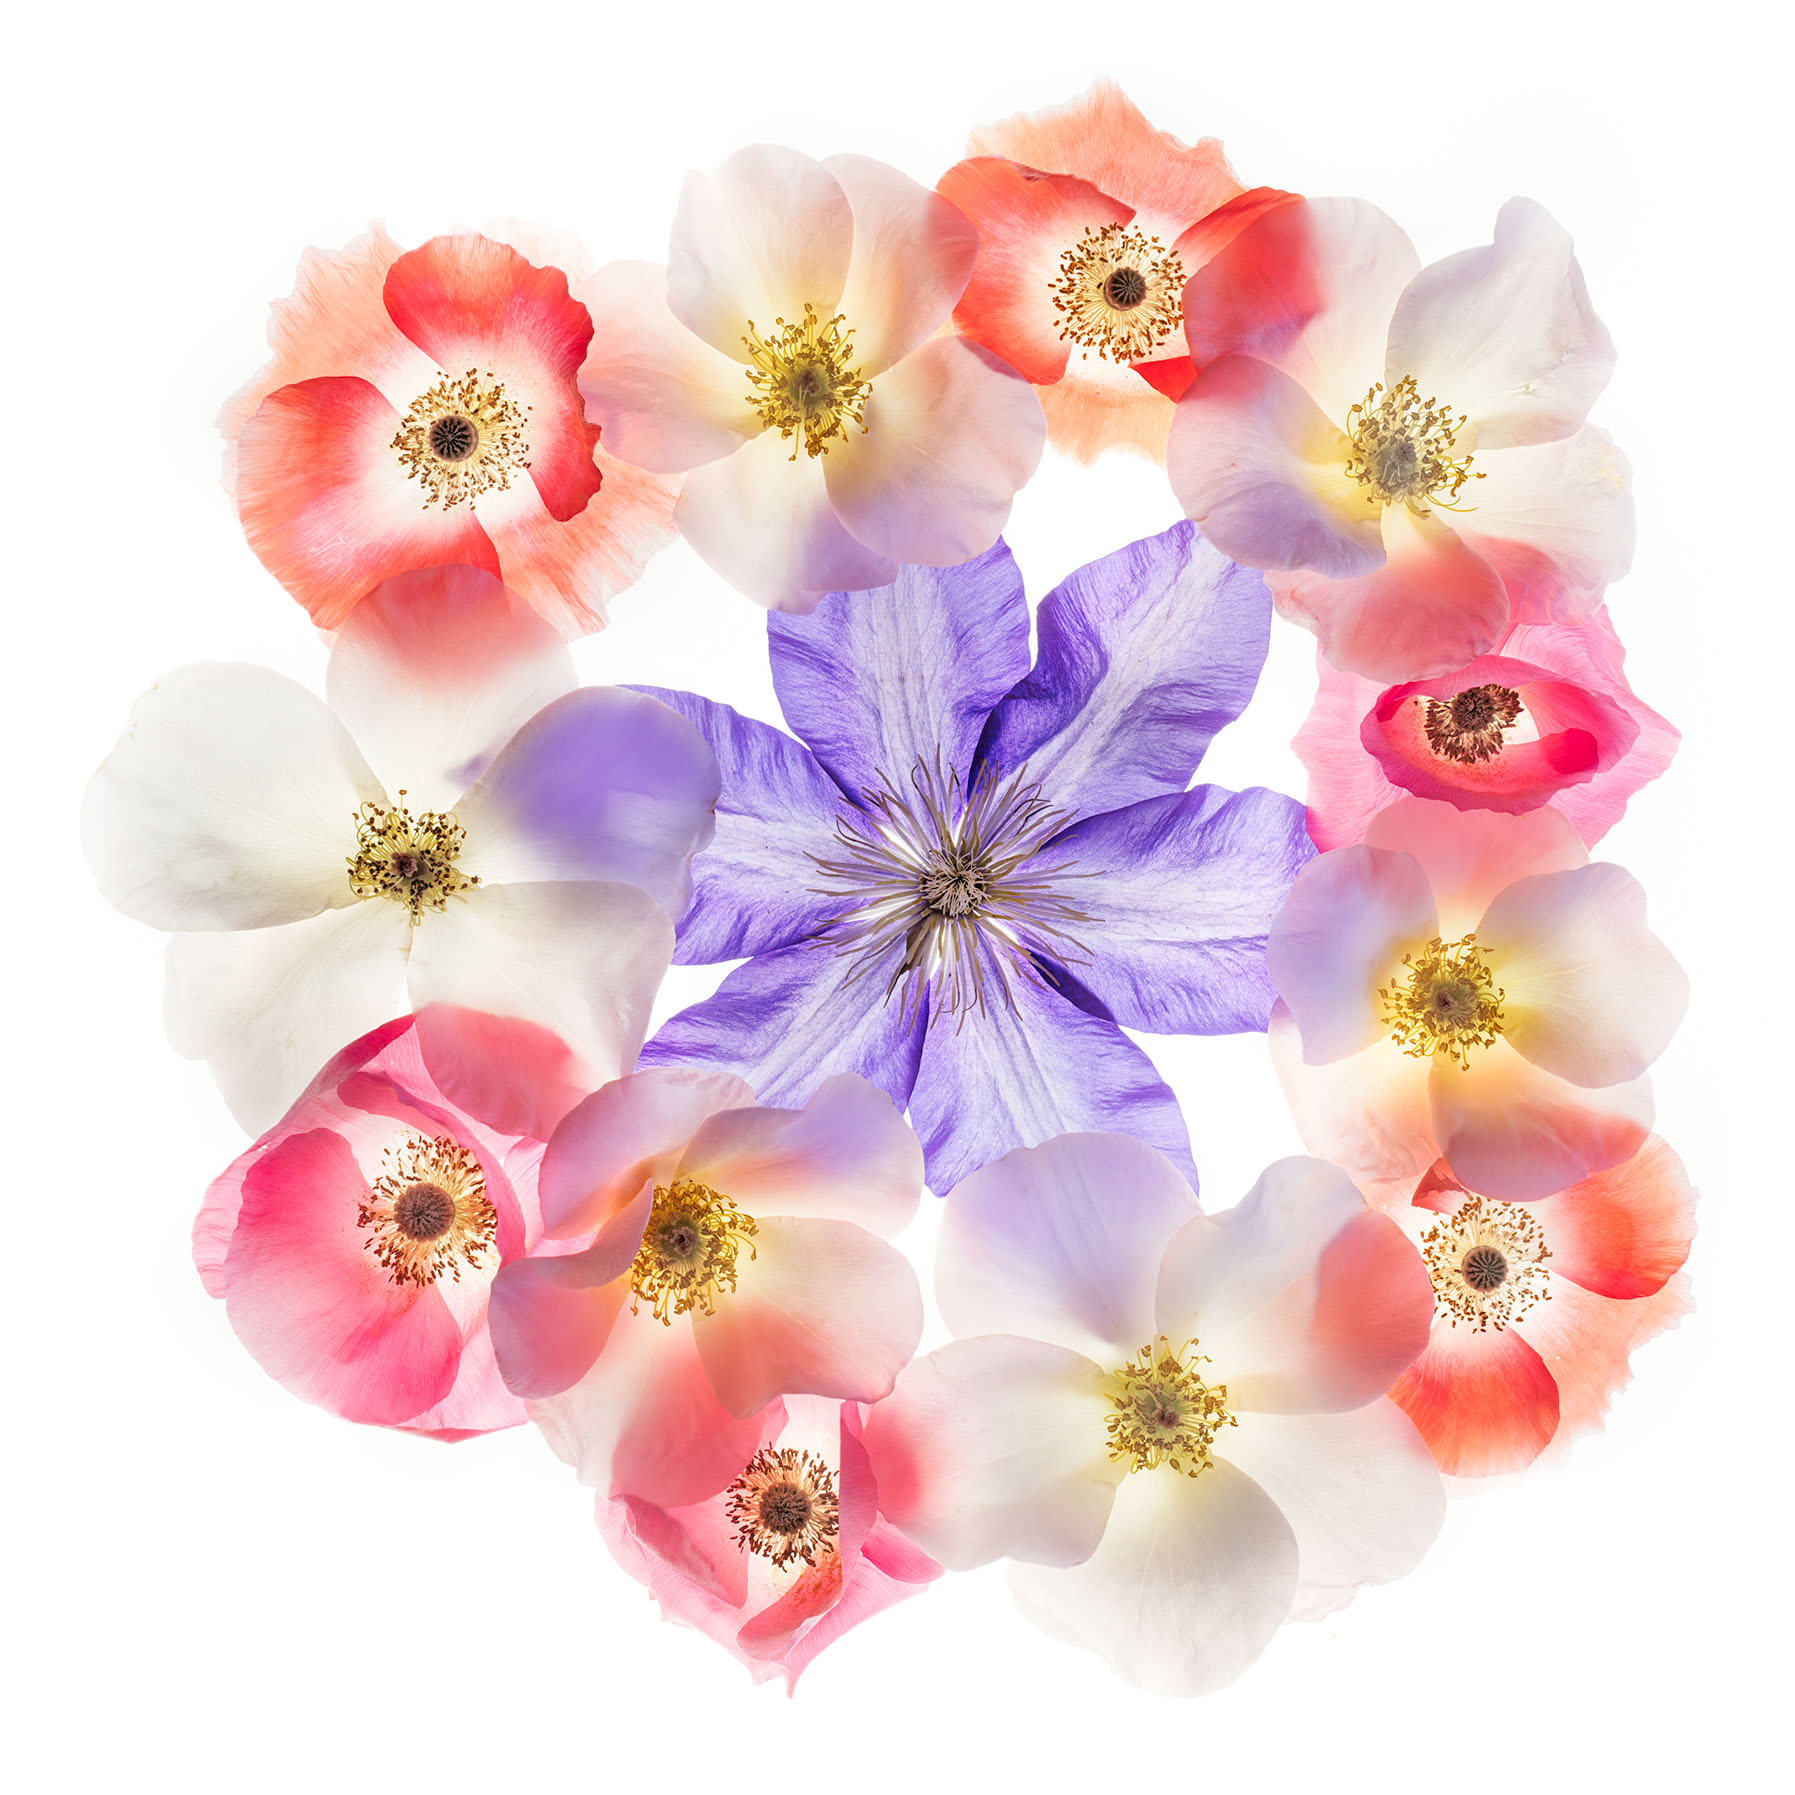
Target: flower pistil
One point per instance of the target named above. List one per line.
(1472, 725)
(428, 1213)
(463, 438)
(1119, 292)
(784, 1506)
(689, 1250)
(1162, 1412)
(410, 859)
(1402, 449)
(802, 382)
(1488, 1263)
(1445, 1001)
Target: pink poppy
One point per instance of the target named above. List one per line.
(789, 356)
(1466, 985)
(422, 409)
(1539, 1305)
(787, 1558)
(1090, 221)
(1172, 1423)
(704, 1258)
(355, 1244)
(1403, 449)
(1547, 719)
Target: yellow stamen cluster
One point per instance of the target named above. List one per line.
(801, 381)
(1445, 1002)
(1488, 1263)
(1161, 1411)
(1119, 292)
(428, 1212)
(1402, 449)
(784, 1507)
(689, 1250)
(410, 859)
(463, 438)
(1471, 726)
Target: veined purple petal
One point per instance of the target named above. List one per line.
(1180, 892)
(1004, 1078)
(877, 681)
(753, 886)
(1143, 656)
(786, 1021)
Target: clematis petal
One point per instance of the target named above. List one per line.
(753, 887)
(1590, 993)
(1342, 932)
(326, 504)
(785, 1021)
(1304, 1299)
(763, 520)
(1062, 1243)
(434, 671)
(995, 1448)
(824, 1309)
(601, 784)
(913, 251)
(766, 233)
(1021, 1071)
(1360, 1490)
(1506, 332)
(1181, 891)
(1144, 656)
(229, 803)
(665, 398)
(952, 435)
(1194, 1576)
(845, 1156)
(1513, 1130)
(265, 1008)
(1262, 470)
(879, 683)
(1484, 1403)
(1624, 1232)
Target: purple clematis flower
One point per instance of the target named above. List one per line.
(964, 874)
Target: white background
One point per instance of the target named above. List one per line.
(211, 1586)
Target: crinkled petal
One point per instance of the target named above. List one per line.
(1484, 1403)
(1625, 1232)
(1144, 656)
(995, 1448)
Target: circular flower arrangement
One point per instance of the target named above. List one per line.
(416, 926)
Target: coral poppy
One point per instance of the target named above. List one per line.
(1403, 449)
(422, 409)
(787, 1558)
(788, 356)
(1173, 1423)
(1090, 221)
(1466, 985)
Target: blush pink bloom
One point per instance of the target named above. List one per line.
(789, 355)
(354, 1245)
(1172, 1423)
(1403, 449)
(1539, 1304)
(457, 827)
(1576, 737)
(422, 409)
(704, 1258)
(1465, 985)
(787, 1558)
(1089, 223)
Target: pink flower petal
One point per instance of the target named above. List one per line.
(1484, 1403)
(550, 1317)
(1625, 1232)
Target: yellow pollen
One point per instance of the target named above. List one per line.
(1444, 1002)
(410, 859)
(688, 1250)
(784, 1506)
(1488, 1264)
(1472, 726)
(1161, 1411)
(1119, 292)
(1402, 449)
(428, 1213)
(463, 438)
(802, 382)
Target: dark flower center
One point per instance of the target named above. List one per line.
(785, 1508)
(424, 1211)
(453, 438)
(1125, 288)
(1484, 1269)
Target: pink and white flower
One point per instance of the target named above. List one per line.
(458, 829)
(1172, 1423)
(789, 356)
(354, 1244)
(702, 1259)
(787, 1558)
(1403, 449)
(1466, 985)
